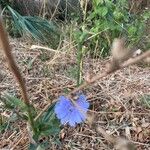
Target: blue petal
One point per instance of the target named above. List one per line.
(63, 101)
(72, 123)
(75, 118)
(62, 107)
(81, 112)
(82, 102)
(69, 113)
(65, 119)
(61, 113)
(59, 109)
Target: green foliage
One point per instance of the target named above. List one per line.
(46, 125)
(12, 103)
(75, 71)
(4, 3)
(3, 127)
(36, 27)
(5, 123)
(44, 56)
(137, 27)
(107, 20)
(110, 20)
(145, 101)
(72, 72)
(80, 54)
(70, 9)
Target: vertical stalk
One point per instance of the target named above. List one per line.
(80, 56)
(79, 63)
(14, 68)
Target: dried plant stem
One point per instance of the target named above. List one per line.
(111, 70)
(136, 59)
(108, 71)
(14, 68)
(119, 142)
(85, 84)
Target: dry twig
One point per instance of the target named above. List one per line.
(110, 70)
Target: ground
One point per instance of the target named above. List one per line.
(119, 101)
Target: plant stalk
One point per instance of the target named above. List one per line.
(14, 68)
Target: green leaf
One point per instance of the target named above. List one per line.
(40, 148)
(33, 146)
(132, 30)
(3, 127)
(118, 15)
(102, 11)
(51, 127)
(12, 102)
(145, 100)
(36, 27)
(48, 124)
(49, 113)
(146, 15)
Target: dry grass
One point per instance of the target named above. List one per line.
(115, 100)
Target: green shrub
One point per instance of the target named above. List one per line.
(109, 20)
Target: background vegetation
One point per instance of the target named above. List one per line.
(86, 29)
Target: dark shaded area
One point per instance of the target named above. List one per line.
(62, 9)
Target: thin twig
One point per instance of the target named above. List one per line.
(45, 48)
(95, 78)
(109, 71)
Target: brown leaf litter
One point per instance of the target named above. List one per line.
(115, 100)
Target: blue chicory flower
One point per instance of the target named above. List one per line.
(70, 113)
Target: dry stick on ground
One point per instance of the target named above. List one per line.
(46, 48)
(119, 143)
(111, 70)
(108, 71)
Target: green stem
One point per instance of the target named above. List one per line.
(79, 63)
(31, 120)
(80, 56)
